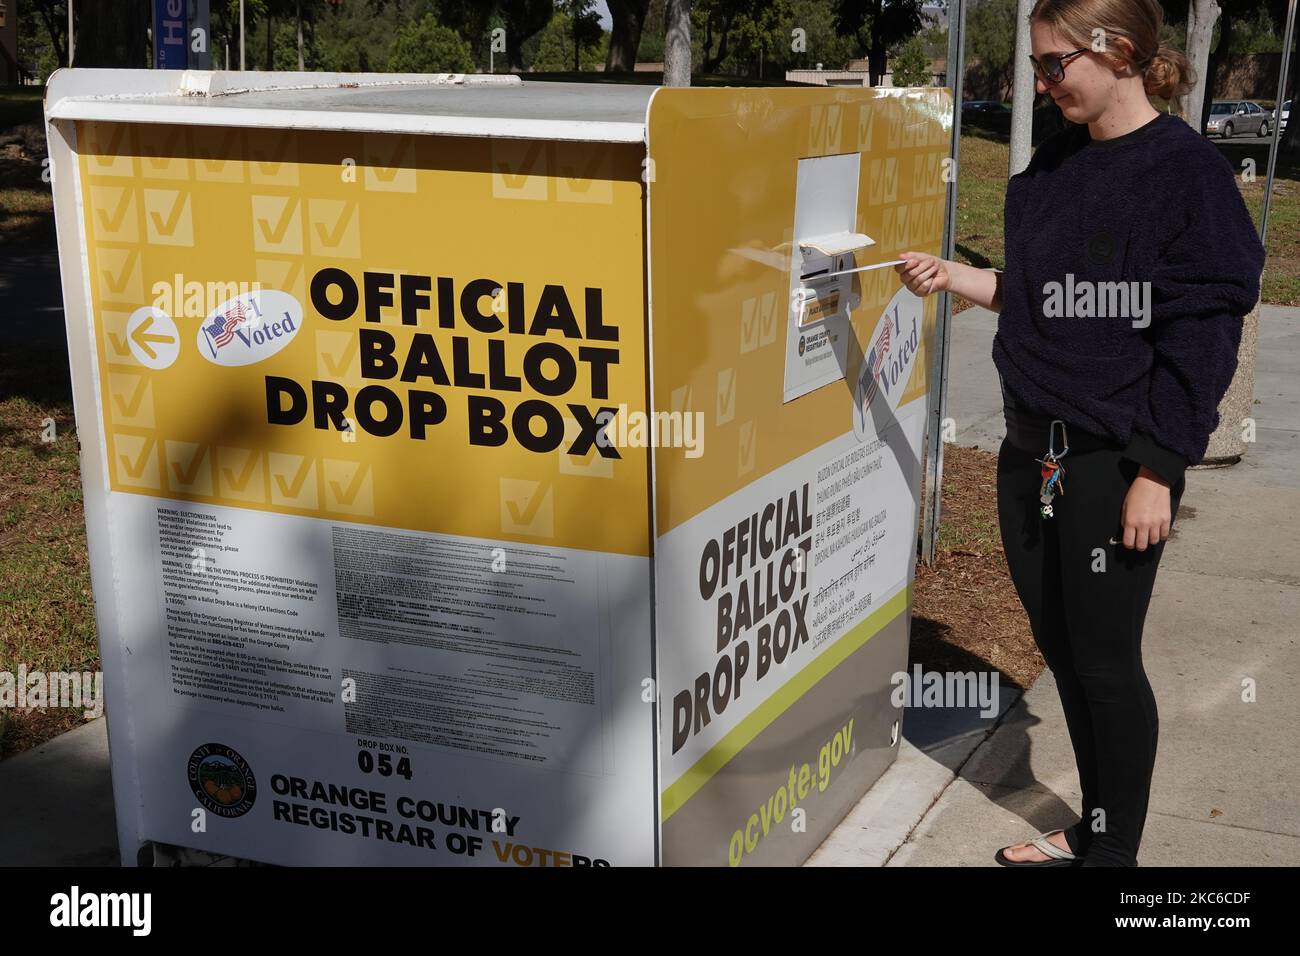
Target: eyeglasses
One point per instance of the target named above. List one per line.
(1051, 69)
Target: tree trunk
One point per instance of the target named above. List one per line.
(523, 19)
(628, 19)
(677, 43)
(112, 33)
(55, 26)
(714, 60)
(1218, 55)
(269, 61)
(1201, 15)
(877, 63)
(301, 67)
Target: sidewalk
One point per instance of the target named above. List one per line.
(1225, 609)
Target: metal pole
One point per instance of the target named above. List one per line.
(1022, 95)
(939, 361)
(298, 9)
(71, 42)
(241, 34)
(1277, 117)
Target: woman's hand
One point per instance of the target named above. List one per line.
(1146, 512)
(923, 273)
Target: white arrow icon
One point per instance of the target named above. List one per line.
(152, 337)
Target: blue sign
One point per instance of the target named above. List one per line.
(170, 35)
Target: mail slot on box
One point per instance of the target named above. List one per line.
(823, 278)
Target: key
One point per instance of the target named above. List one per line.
(1051, 472)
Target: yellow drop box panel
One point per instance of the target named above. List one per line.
(494, 473)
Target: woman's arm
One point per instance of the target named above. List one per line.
(981, 286)
(1204, 282)
(925, 274)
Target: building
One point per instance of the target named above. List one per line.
(856, 73)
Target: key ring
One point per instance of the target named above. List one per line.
(1051, 440)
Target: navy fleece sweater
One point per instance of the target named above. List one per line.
(1130, 265)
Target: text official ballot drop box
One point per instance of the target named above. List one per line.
(493, 473)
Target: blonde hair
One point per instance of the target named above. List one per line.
(1166, 72)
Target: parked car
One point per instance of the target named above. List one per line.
(986, 114)
(1230, 117)
(1286, 114)
(984, 106)
(995, 117)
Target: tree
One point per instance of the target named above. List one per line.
(584, 26)
(555, 52)
(627, 20)
(108, 32)
(54, 17)
(991, 32)
(112, 33)
(741, 36)
(912, 64)
(878, 25)
(427, 46)
(524, 19)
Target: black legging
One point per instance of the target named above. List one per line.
(1088, 625)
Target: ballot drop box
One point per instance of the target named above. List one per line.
(484, 472)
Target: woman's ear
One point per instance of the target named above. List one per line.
(1123, 56)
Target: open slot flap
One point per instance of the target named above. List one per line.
(836, 243)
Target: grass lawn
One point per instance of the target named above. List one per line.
(46, 613)
(26, 206)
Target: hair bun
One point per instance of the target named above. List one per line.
(1167, 73)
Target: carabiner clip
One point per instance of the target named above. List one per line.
(1051, 441)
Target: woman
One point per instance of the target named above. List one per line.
(1130, 262)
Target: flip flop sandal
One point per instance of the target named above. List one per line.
(1058, 857)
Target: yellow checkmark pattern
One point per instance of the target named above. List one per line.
(116, 216)
(273, 207)
(293, 481)
(241, 474)
(168, 217)
(277, 223)
(528, 507)
(349, 487)
(118, 274)
(131, 397)
(335, 228)
(135, 461)
(389, 163)
(218, 154)
(188, 467)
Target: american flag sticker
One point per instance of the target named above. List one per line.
(221, 329)
(875, 362)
